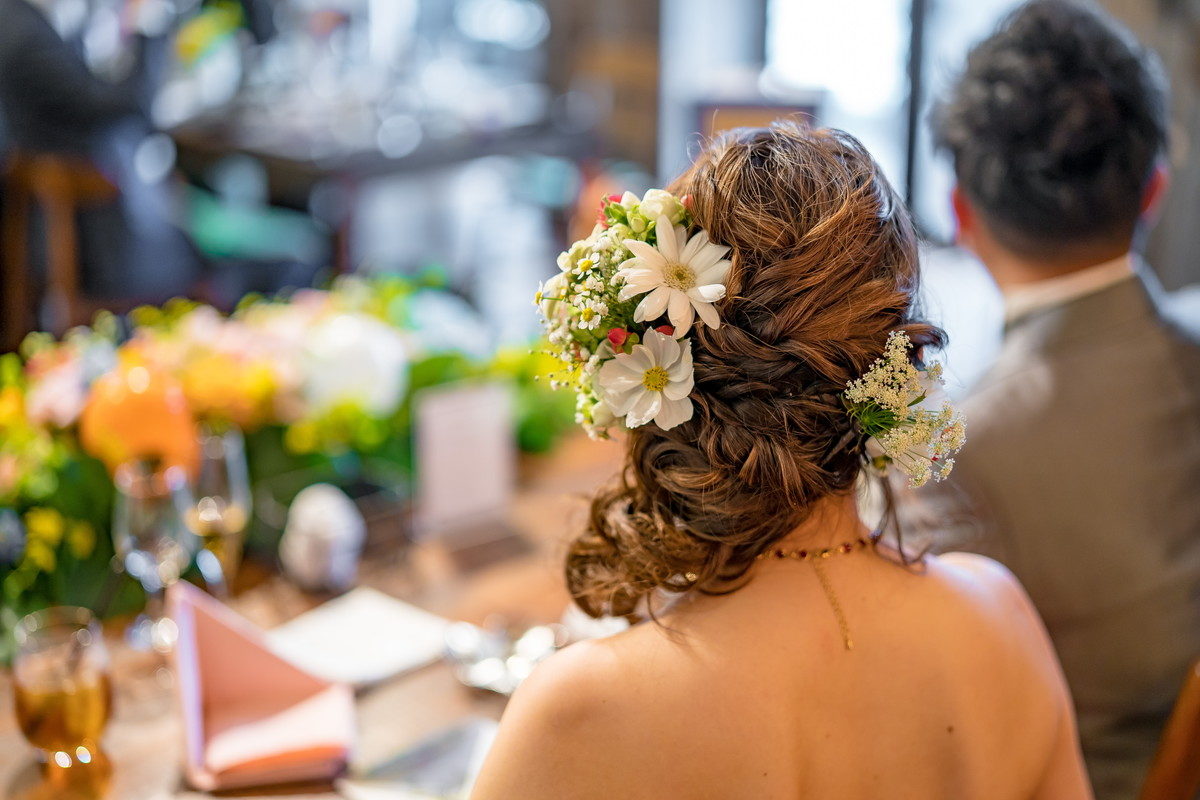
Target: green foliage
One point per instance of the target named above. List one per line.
(874, 419)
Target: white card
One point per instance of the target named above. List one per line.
(465, 455)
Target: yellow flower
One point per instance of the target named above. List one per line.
(44, 525)
(81, 538)
(301, 437)
(12, 407)
(226, 388)
(40, 554)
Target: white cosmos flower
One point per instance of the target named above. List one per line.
(651, 383)
(682, 279)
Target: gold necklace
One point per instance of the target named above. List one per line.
(817, 557)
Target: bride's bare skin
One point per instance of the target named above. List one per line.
(951, 691)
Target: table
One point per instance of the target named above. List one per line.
(144, 738)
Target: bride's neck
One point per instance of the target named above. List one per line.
(833, 520)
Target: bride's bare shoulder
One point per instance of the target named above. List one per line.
(979, 580)
(574, 715)
(986, 591)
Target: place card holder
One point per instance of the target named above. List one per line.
(466, 468)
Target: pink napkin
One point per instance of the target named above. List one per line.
(251, 718)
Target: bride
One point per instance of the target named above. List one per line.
(753, 331)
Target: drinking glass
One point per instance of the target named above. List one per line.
(63, 696)
(222, 506)
(152, 538)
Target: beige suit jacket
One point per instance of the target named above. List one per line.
(1081, 473)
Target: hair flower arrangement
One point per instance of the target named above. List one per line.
(906, 415)
(618, 313)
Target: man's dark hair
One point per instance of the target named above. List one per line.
(1055, 127)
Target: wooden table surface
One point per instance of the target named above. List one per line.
(144, 737)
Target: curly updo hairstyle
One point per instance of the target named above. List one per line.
(824, 268)
(1055, 127)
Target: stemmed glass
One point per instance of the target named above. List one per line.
(222, 505)
(152, 539)
(63, 696)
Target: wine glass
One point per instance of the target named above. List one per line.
(153, 541)
(222, 505)
(63, 696)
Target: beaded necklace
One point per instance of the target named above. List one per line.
(817, 557)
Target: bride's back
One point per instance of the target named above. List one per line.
(748, 688)
(951, 691)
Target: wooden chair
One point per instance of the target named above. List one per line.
(1175, 772)
(60, 186)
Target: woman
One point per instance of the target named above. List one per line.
(794, 658)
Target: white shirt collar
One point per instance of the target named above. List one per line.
(1027, 298)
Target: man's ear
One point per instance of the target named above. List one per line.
(964, 218)
(1155, 191)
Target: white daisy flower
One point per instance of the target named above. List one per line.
(682, 279)
(651, 383)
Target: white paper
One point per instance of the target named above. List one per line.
(361, 638)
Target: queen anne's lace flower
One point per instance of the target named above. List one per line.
(904, 412)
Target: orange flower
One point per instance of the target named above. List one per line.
(138, 412)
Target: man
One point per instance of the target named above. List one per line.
(1082, 466)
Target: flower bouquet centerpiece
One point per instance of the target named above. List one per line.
(320, 382)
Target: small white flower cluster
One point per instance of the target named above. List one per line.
(904, 412)
(625, 358)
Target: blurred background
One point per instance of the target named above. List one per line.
(164, 147)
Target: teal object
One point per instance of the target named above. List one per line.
(259, 232)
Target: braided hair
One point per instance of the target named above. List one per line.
(824, 268)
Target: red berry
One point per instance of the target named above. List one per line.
(666, 330)
(617, 337)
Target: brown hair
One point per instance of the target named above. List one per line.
(824, 267)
